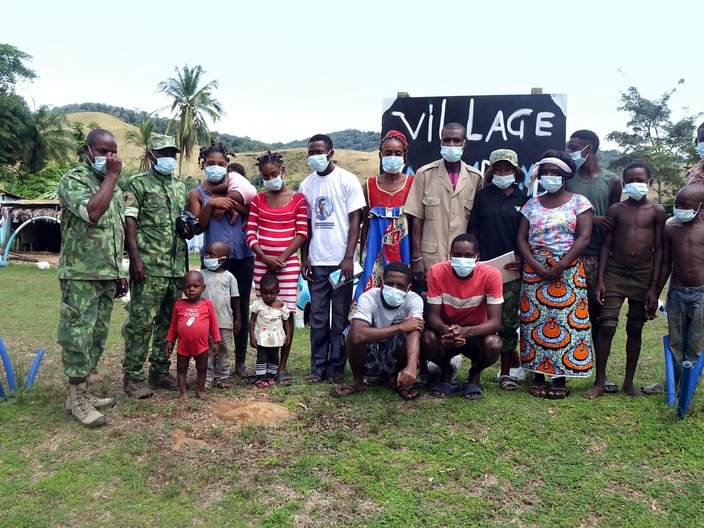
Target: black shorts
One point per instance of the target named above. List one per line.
(469, 350)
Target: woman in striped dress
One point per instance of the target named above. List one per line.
(277, 228)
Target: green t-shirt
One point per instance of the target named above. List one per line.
(89, 250)
(598, 191)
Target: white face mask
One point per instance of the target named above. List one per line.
(504, 182)
(319, 162)
(99, 163)
(451, 154)
(635, 190)
(551, 184)
(274, 184)
(685, 215)
(463, 266)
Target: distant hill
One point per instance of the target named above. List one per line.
(363, 164)
(350, 139)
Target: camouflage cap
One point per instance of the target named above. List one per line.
(159, 141)
(504, 155)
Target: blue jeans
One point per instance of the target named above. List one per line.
(329, 310)
(685, 322)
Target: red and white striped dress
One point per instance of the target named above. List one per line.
(274, 229)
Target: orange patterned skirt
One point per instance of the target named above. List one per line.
(555, 328)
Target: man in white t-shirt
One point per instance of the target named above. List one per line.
(384, 338)
(335, 201)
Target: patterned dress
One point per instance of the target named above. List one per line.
(274, 229)
(555, 328)
(388, 238)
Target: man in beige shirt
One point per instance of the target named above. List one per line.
(440, 202)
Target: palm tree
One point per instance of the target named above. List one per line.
(191, 103)
(47, 137)
(140, 138)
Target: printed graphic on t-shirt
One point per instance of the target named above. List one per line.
(192, 314)
(324, 209)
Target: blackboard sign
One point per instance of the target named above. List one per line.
(528, 124)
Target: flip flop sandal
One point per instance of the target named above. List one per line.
(472, 391)
(610, 388)
(346, 389)
(262, 384)
(445, 390)
(313, 379)
(407, 392)
(557, 393)
(652, 389)
(539, 390)
(284, 379)
(507, 383)
(222, 385)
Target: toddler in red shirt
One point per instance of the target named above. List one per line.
(192, 322)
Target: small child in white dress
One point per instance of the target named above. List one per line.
(266, 330)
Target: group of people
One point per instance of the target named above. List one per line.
(532, 271)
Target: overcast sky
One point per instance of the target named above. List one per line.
(288, 69)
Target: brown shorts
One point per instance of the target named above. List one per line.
(625, 282)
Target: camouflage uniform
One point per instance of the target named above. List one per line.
(89, 264)
(154, 201)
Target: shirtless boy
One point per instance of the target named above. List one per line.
(683, 254)
(629, 268)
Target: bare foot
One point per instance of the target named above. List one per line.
(594, 392)
(632, 391)
(199, 395)
(183, 398)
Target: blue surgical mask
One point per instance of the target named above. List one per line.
(685, 215)
(635, 190)
(451, 154)
(392, 296)
(392, 164)
(274, 184)
(463, 266)
(551, 184)
(215, 173)
(165, 166)
(319, 162)
(700, 149)
(99, 163)
(211, 263)
(504, 182)
(578, 159)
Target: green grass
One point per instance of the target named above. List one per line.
(367, 460)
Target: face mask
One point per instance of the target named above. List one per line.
(215, 173)
(463, 266)
(392, 164)
(274, 184)
(635, 190)
(700, 150)
(551, 184)
(99, 163)
(165, 166)
(504, 182)
(211, 263)
(685, 215)
(451, 154)
(392, 296)
(578, 159)
(319, 162)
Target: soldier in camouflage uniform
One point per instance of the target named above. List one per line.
(92, 236)
(153, 201)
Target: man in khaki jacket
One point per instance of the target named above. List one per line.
(440, 202)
